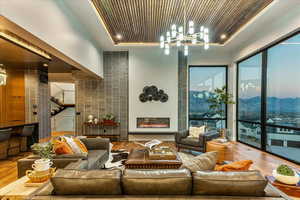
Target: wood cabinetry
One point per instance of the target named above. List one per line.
(12, 98)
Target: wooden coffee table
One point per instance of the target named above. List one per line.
(139, 159)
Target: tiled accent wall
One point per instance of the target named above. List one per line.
(182, 91)
(31, 97)
(100, 97)
(37, 99)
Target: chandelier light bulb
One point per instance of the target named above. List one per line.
(167, 49)
(206, 46)
(178, 43)
(162, 38)
(186, 50)
(173, 28)
(191, 27)
(180, 29)
(201, 28)
(206, 30)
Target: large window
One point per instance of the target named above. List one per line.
(269, 99)
(249, 101)
(203, 80)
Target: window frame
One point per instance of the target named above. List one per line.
(226, 85)
(263, 122)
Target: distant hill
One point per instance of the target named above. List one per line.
(199, 104)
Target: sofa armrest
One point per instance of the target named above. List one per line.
(96, 143)
(208, 136)
(180, 135)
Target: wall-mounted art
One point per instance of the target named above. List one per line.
(152, 93)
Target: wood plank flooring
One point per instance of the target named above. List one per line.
(262, 161)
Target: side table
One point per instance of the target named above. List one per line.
(224, 150)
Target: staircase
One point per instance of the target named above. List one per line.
(60, 106)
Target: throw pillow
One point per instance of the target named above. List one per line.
(194, 132)
(61, 147)
(242, 165)
(75, 148)
(205, 161)
(80, 144)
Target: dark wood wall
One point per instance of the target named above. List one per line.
(12, 98)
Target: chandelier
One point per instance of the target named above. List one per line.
(3, 75)
(184, 36)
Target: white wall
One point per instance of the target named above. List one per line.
(282, 18)
(149, 66)
(52, 22)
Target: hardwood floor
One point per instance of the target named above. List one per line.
(262, 161)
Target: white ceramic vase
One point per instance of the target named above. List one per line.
(290, 180)
(42, 164)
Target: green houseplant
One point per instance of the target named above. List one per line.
(218, 101)
(109, 118)
(45, 151)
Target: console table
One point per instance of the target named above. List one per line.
(17, 190)
(87, 126)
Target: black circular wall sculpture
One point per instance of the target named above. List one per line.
(152, 93)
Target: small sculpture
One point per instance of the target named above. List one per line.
(96, 120)
(90, 118)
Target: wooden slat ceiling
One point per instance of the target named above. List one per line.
(145, 20)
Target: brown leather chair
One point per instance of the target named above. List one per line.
(195, 144)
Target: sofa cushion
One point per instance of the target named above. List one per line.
(157, 182)
(246, 183)
(190, 141)
(80, 164)
(205, 161)
(96, 158)
(86, 182)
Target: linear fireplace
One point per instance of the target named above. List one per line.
(153, 122)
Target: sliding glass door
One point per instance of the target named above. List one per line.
(203, 80)
(269, 99)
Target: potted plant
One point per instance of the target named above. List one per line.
(218, 101)
(286, 175)
(45, 151)
(109, 119)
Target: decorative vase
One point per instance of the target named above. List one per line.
(290, 180)
(222, 132)
(42, 164)
(96, 120)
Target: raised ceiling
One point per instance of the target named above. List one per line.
(143, 21)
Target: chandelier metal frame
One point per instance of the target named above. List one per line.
(184, 37)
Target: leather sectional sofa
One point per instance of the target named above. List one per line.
(156, 184)
(98, 151)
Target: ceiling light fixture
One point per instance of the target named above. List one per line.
(119, 36)
(3, 75)
(23, 43)
(184, 36)
(223, 36)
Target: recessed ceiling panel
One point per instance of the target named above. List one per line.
(145, 20)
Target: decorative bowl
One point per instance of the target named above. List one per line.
(290, 180)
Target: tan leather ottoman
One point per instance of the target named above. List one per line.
(224, 150)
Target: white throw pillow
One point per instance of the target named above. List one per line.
(194, 132)
(73, 145)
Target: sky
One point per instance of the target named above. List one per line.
(283, 73)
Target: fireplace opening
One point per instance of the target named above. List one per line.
(153, 122)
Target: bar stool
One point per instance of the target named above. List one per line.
(26, 132)
(4, 138)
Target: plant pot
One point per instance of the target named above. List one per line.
(290, 180)
(108, 121)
